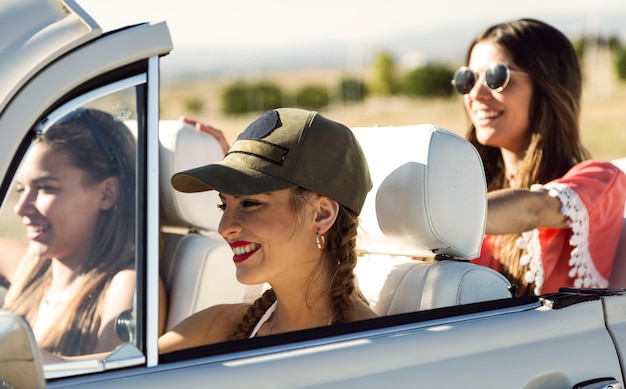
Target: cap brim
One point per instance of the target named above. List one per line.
(228, 178)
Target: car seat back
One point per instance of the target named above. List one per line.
(423, 221)
(428, 199)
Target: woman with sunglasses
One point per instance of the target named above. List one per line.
(554, 215)
(77, 202)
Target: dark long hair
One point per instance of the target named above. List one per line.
(550, 60)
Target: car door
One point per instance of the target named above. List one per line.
(559, 342)
(59, 61)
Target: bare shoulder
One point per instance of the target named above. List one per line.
(122, 288)
(126, 277)
(118, 297)
(211, 325)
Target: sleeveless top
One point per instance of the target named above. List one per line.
(266, 316)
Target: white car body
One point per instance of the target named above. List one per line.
(56, 58)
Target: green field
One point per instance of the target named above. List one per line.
(603, 115)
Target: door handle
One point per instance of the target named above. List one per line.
(600, 383)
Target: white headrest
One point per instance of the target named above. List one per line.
(429, 195)
(183, 147)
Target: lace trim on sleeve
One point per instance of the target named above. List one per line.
(529, 241)
(582, 268)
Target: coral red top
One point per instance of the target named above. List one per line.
(592, 195)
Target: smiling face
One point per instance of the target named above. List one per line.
(501, 118)
(271, 240)
(57, 205)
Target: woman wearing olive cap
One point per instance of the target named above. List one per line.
(291, 186)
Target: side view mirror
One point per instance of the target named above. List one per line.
(20, 359)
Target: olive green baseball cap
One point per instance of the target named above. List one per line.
(285, 148)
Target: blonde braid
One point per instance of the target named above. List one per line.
(253, 315)
(341, 251)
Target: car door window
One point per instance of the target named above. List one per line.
(69, 230)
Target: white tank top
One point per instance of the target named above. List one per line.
(266, 316)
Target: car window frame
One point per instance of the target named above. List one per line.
(349, 332)
(139, 82)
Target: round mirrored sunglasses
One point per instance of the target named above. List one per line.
(497, 77)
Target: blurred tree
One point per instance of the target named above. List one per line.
(615, 43)
(579, 47)
(235, 99)
(268, 96)
(241, 97)
(620, 63)
(351, 90)
(312, 97)
(194, 105)
(384, 79)
(431, 80)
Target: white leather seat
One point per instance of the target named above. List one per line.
(428, 195)
(196, 263)
(618, 274)
(429, 200)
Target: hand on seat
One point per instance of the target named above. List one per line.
(207, 129)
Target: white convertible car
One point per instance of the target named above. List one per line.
(443, 322)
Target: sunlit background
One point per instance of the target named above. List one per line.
(211, 36)
(295, 44)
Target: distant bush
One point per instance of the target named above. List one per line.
(240, 97)
(235, 99)
(384, 81)
(312, 97)
(579, 47)
(620, 63)
(615, 43)
(194, 105)
(351, 90)
(432, 80)
(268, 96)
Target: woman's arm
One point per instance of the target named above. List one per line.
(518, 210)
(211, 325)
(118, 298)
(207, 129)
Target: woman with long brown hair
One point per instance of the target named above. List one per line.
(77, 202)
(554, 215)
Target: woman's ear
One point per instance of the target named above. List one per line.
(327, 211)
(110, 192)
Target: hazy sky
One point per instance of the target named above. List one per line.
(249, 23)
(284, 28)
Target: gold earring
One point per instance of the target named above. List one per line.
(320, 240)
